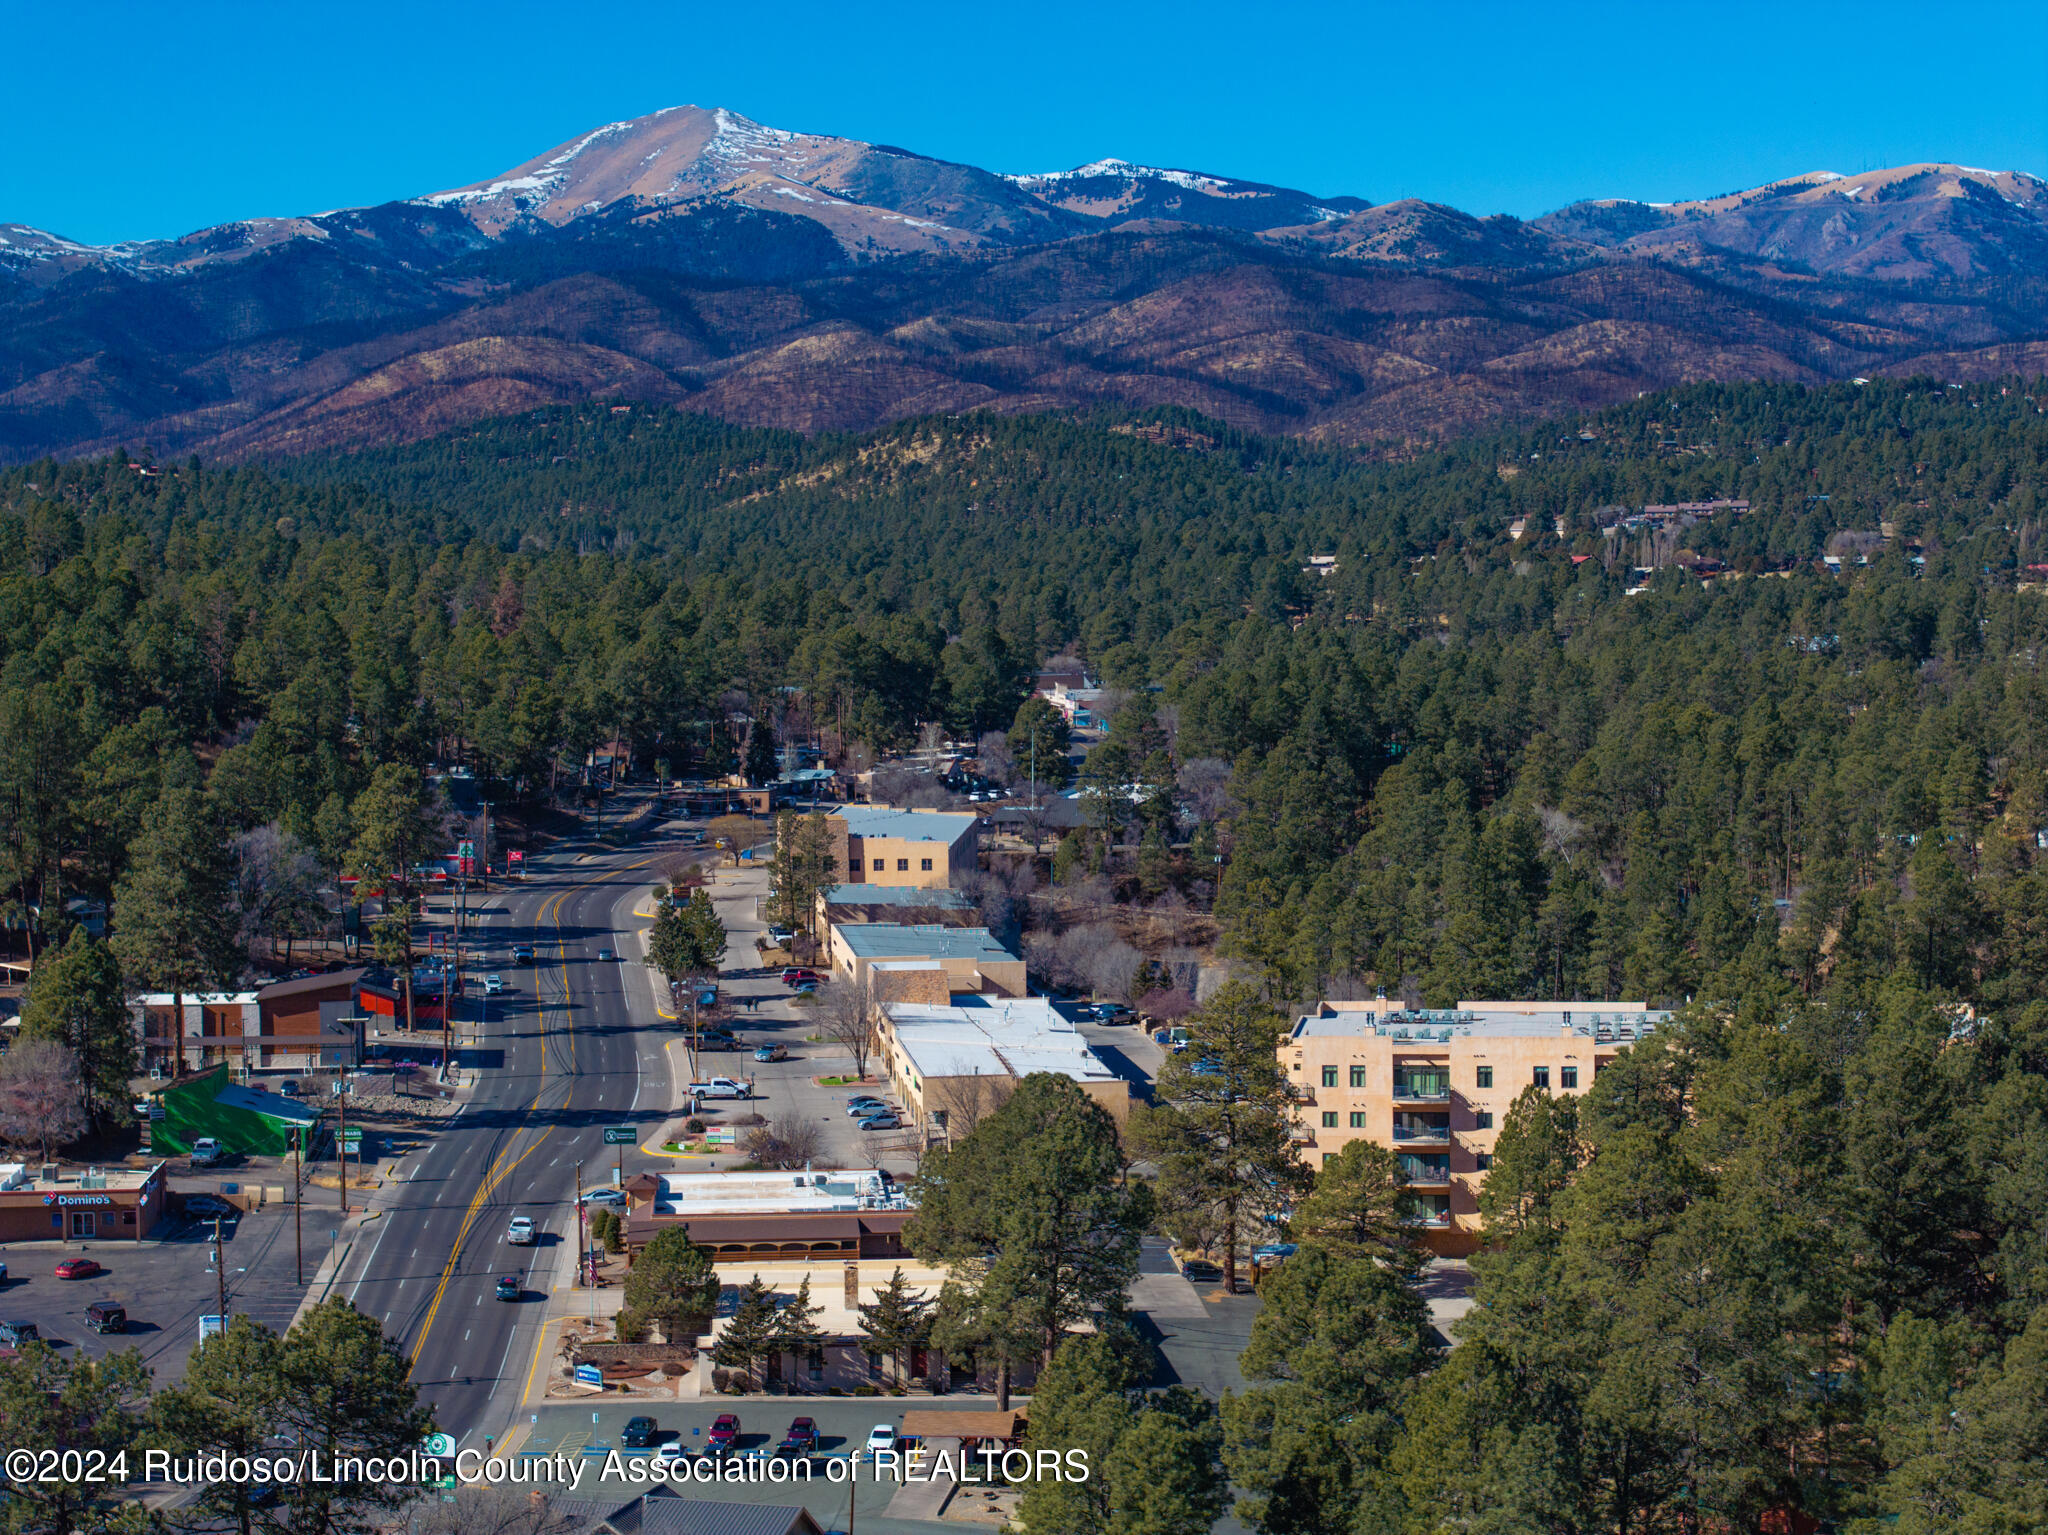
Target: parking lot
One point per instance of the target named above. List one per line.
(166, 1282)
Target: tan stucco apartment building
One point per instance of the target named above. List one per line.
(875, 845)
(1434, 1085)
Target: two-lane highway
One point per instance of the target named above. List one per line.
(560, 1059)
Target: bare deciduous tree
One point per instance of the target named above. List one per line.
(845, 1011)
(1205, 786)
(480, 1510)
(992, 754)
(789, 1140)
(39, 1099)
(277, 891)
(967, 1101)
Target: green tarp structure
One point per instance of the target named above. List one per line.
(243, 1119)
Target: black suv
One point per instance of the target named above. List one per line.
(639, 1433)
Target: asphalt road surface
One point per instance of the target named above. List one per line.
(560, 1057)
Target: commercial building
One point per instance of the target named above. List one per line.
(1434, 1086)
(949, 1064)
(968, 958)
(915, 905)
(778, 1217)
(103, 1204)
(877, 845)
(664, 1511)
(297, 1025)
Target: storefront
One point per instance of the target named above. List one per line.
(119, 1204)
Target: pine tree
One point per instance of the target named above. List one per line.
(748, 1336)
(897, 1321)
(796, 1331)
(77, 999)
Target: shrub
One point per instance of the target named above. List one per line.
(693, 1127)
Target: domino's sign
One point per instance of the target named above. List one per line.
(66, 1201)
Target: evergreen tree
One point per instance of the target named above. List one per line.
(77, 999)
(748, 1337)
(897, 1321)
(173, 923)
(1220, 1130)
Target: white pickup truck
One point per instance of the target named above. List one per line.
(722, 1087)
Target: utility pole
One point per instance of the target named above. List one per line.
(341, 1094)
(298, 1200)
(220, 1279)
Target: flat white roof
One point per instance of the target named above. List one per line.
(780, 1193)
(1489, 1019)
(904, 825)
(993, 1036)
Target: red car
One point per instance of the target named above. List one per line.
(796, 973)
(725, 1432)
(78, 1268)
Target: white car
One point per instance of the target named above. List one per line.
(493, 984)
(520, 1232)
(614, 1197)
(669, 1451)
(881, 1437)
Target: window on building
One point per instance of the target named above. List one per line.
(1329, 1119)
(1485, 1161)
(1329, 1076)
(1329, 1156)
(878, 866)
(1358, 1076)
(1486, 1076)
(1568, 1076)
(1541, 1077)
(903, 866)
(926, 864)
(1483, 1120)
(1357, 1120)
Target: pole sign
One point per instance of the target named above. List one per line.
(618, 1135)
(212, 1327)
(352, 1136)
(440, 1446)
(589, 1375)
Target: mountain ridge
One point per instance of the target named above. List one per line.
(799, 279)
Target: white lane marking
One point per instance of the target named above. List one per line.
(369, 1263)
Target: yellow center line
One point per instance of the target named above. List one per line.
(497, 1171)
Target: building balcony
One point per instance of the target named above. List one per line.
(1430, 1135)
(1432, 1220)
(1425, 1174)
(1428, 1090)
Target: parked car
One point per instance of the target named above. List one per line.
(722, 1087)
(289, 1087)
(205, 1151)
(520, 1233)
(493, 984)
(670, 1451)
(510, 1287)
(803, 988)
(771, 1052)
(781, 937)
(886, 1120)
(858, 1107)
(14, 1334)
(881, 1437)
(639, 1432)
(616, 1198)
(206, 1206)
(1200, 1270)
(796, 973)
(522, 954)
(105, 1316)
(801, 1437)
(1113, 1012)
(718, 1039)
(78, 1268)
(725, 1432)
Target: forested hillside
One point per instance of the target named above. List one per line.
(1454, 722)
(1784, 1263)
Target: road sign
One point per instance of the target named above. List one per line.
(589, 1375)
(515, 856)
(212, 1327)
(353, 1134)
(438, 1445)
(618, 1135)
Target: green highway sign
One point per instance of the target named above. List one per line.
(352, 1133)
(618, 1135)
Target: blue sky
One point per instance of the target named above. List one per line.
(134, 121)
